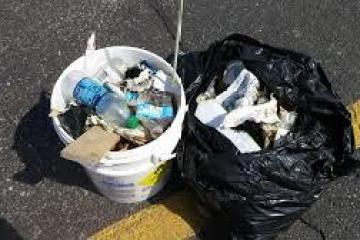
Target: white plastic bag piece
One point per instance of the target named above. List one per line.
(91, 42)
(140, 83)
(262, 113)
(208, 94)
(143, 77)
(211, 113)
(115, 89)
(242, 92)
(287, 120)
(241, 139)
(163, 83)
(114, 73)
(138, 135)
(160, 84)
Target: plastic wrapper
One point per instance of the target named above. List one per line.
(141, 83)
(208, 94)
(211, 113)
(111, 74)
(287, 120)
(262, 113)
(257, 195)
(155, 127)
(242, 92)
(139, 136)
(232, 72)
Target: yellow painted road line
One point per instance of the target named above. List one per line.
(174, 218)
(354, 109)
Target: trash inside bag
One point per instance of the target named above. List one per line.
(302, 130)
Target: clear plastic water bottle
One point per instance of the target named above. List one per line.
(112, 107)
(152, 104)
(154, 109)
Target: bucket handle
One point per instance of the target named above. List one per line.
(159, 160)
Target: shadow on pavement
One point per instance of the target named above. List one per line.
(7, 231)
(38, 147)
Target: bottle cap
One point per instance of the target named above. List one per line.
(132, 122)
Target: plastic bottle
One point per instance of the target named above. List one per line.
(110, 106)
(152, 104)
(154, 109)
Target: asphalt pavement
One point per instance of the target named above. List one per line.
(45, 197)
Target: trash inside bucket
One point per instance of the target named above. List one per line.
(139, 173)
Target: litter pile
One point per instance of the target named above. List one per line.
(244, 111)
(130, 101)
(263, 134)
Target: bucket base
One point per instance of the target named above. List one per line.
(131, 192)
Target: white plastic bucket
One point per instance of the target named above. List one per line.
(137, 174)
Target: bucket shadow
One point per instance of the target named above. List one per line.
(7, 231)
(38, 147)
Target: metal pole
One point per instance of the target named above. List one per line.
(178, 38)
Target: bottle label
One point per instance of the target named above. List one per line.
(154, 112)
(89, 92)
(131, 96)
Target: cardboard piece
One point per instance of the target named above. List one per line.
(91, 146)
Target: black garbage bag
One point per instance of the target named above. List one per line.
(256, 195)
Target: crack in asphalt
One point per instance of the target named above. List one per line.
(165, 20)
(315, 228)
